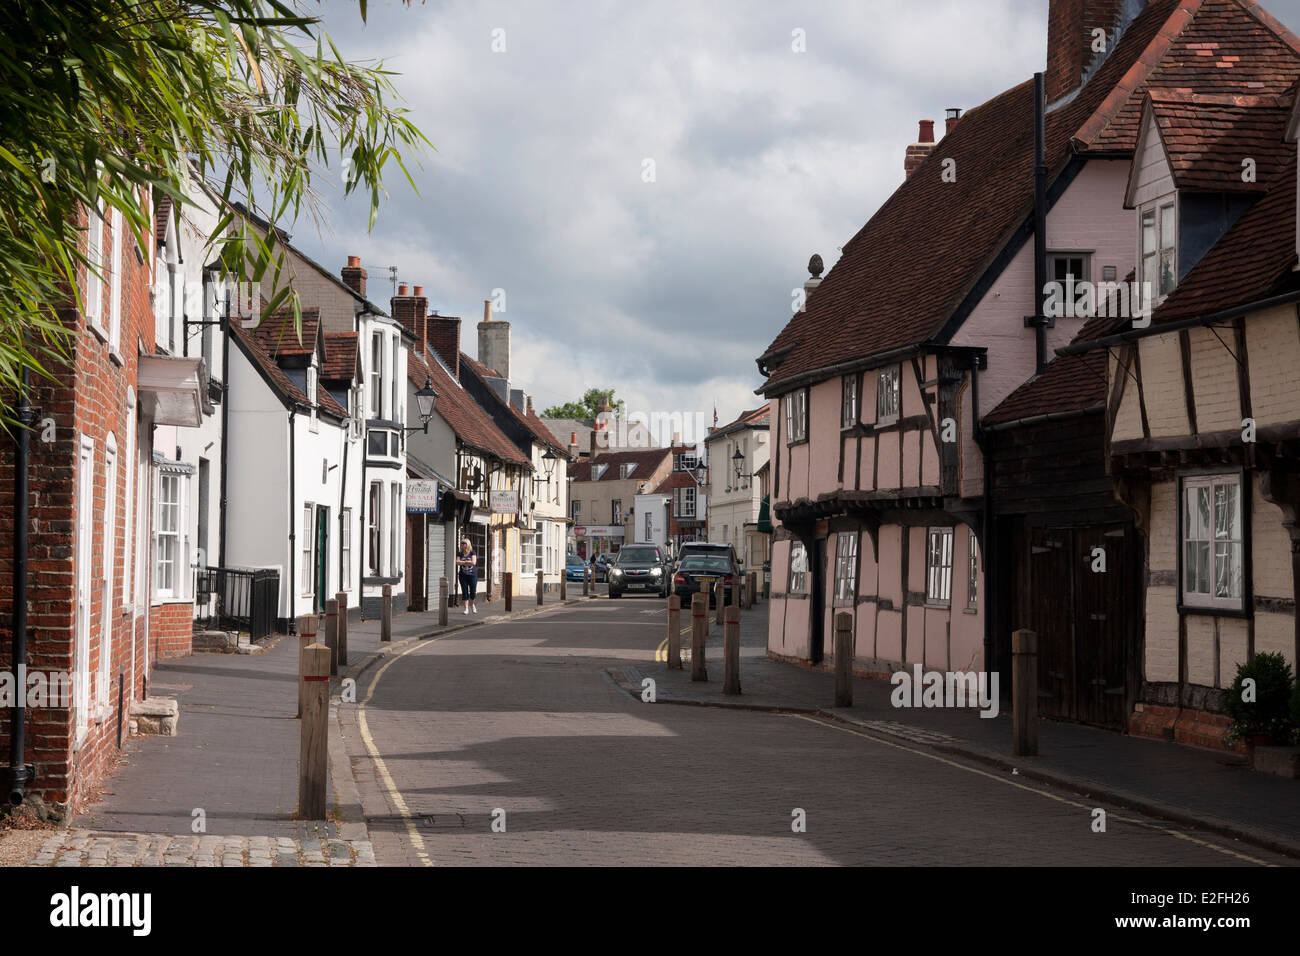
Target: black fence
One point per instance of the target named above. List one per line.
(237, 599)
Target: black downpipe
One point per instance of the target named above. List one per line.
(290, 624)
(343, 497)
(18, 773)
(1040, 225)
(225, 427)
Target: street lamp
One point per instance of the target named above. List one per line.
(425, 399)
(738, 460)
(549, 461)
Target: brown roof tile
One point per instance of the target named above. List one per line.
(276, 377)
(647, 460)
(466, 418)
(340, 357)
(1207, 136)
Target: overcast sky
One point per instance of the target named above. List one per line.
(665, 290)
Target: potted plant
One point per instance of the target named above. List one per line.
(1261, 711)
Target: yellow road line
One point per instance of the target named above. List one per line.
(385, 777)
(1042, 793)
(661, 652)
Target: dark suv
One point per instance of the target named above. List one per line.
(708, 549)
(639, 569)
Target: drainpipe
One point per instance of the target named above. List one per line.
(343, 497)
(293, 521)
(1040, 226)
(989, 536)
(225, 426)
(18, 771)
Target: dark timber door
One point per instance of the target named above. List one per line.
(817, 634)
(319, 573)
(1084, 621)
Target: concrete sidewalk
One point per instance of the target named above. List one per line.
(1206, 789)
(234, 762)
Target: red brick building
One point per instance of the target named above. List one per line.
(92, 507)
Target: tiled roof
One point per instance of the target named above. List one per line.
(278, 337)
(1207, 136)
(1251, 262)
(529, 420)
(912, 266)
(466, 418)
(276, 377)
(647, 460)
(340, 357)
(677, 479)
(747, 419)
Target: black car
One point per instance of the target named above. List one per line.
(707, 549)
(600, 566)
(639, 569)
(697, 568)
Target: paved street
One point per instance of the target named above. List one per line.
(519, 725)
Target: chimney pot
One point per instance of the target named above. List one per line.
(927, 132)
(419, 291)
(954, 114)
(354, 262)
(573, 438)
(487, 310)
(401, 289)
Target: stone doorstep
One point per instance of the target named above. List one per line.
(1280, 761)
(155, 716)
(215, 642)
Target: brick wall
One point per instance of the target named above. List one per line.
(171, 630)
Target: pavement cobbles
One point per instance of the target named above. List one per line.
(79, 848)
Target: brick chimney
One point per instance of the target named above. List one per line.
(529, 402)
(444, 339)
(494, 342)
(954, 114)
(918, 151)
(410, 309)
(354, 277)
(573, 445)
(1069, 39)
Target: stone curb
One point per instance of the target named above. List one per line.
(1081, 786)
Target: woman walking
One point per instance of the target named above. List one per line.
(467, 574)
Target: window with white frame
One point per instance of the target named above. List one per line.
(375, 527)
(1213, 540)
(168, 560)
(345, 539)
(1158, 247)
(115, 276)
(395, 523)
(377, 375)
(307, 546)
(889, 394)
(527, 547)
(649, 526)
(108, 561)
(575, 510)
(539, 550)
(796, 416)
(938, 567)
(846, 569)
(616, 511)
(972, 570)
(849, 401)
(94, 305)
(684, 506)
(798, 568)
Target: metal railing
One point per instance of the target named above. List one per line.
(237, 599)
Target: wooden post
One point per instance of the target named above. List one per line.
(699, 633)
(731, 651)
(386, 614)
(313, 754)
(751, 588)
(586, 581)
(539, 588)
(736, 586)
(343, 628)
(1024, 692)
(720, 600)
(508, 589)
(332, 633)
(564, 580)
(307, 628)
(674, 632)
(843, 659)
(442, 601)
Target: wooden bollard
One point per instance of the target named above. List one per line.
(386, 614)
(308, 625)
(699, 633)
(586, 581)
(843, 660)
(564, 580)
(343, 629)
(736, 587)
(313, 755)
(442, 602)
(539, 588)
(1024, 692)
(332, 633)
(731, 651)
(674, 632)
(751, 588)
(508, 589)
(719, 601)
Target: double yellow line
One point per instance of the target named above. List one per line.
(661, 652)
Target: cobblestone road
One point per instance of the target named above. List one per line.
(509, 744)
(91, 848)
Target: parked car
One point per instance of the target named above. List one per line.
(709, 549)
(640, 569)
(600, 566)
(697, 567)
(575, 568)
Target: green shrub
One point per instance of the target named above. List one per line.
(1272, 711)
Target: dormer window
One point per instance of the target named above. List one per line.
(1158, 247)
(626, 468)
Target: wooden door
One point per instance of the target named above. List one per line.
(817, 634)
(1051, 615)
(1104, 608)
